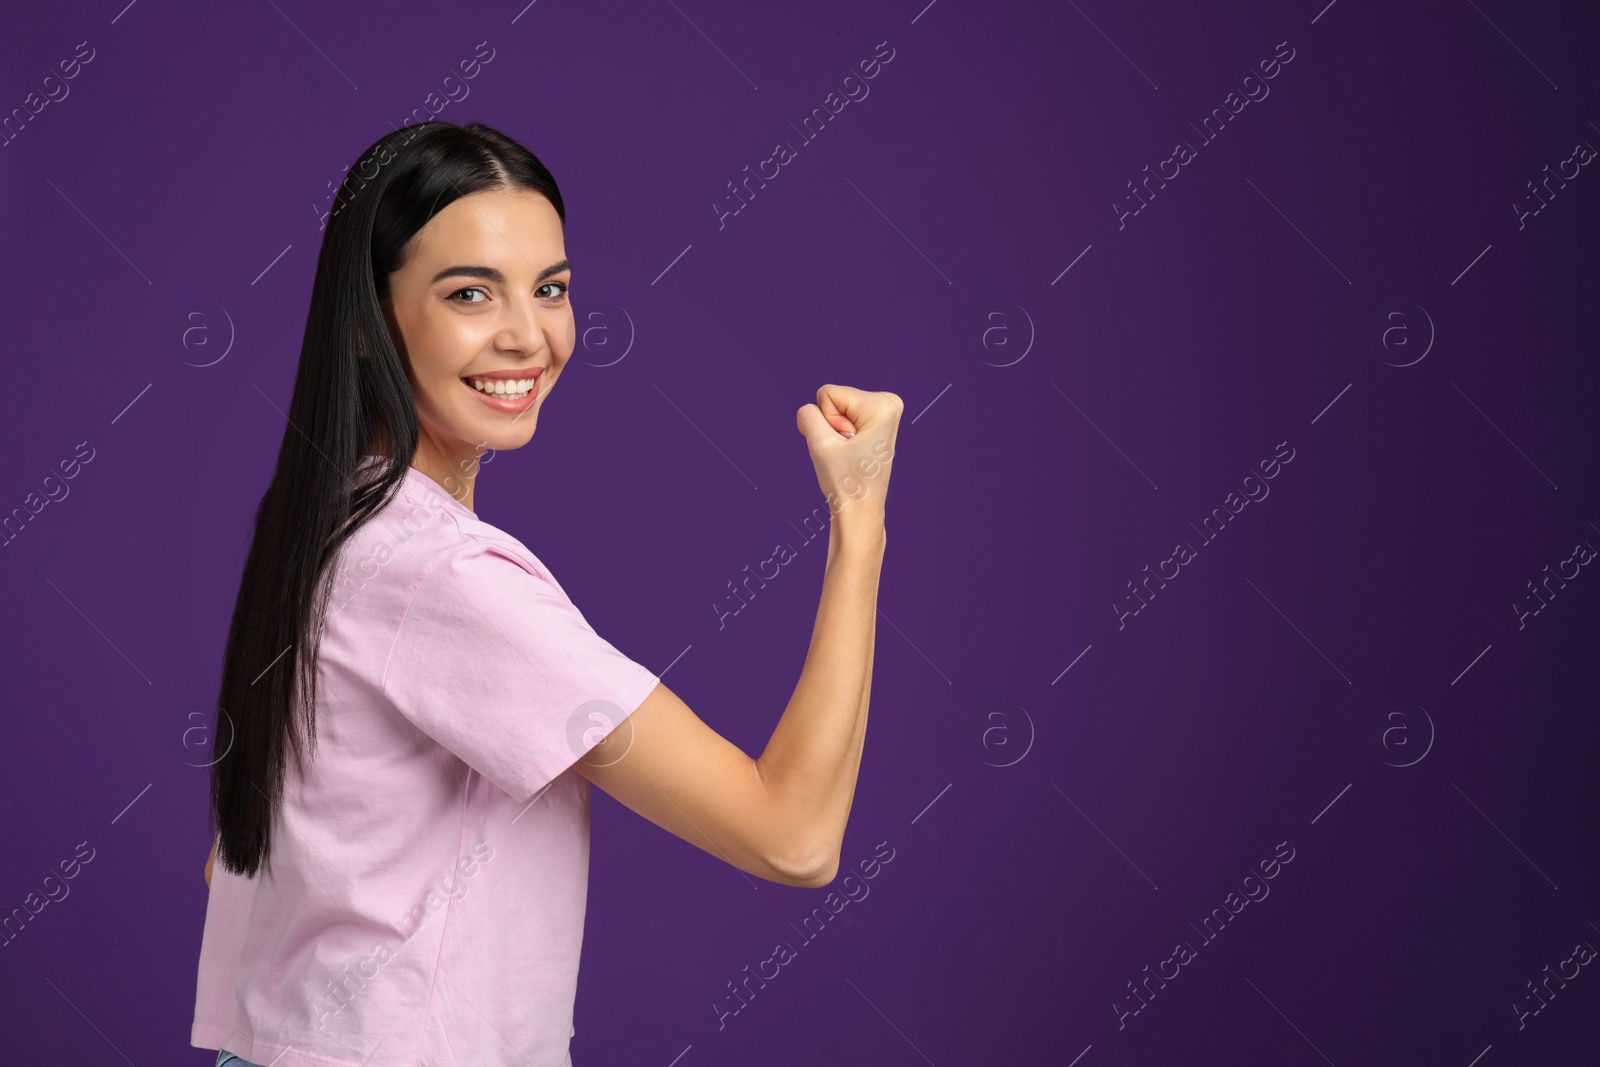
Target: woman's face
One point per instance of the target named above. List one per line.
(477, 309)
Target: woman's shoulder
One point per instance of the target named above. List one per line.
(424, 503)
(418, 533)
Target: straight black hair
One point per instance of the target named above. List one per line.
(352, 397)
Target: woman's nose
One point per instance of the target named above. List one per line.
(525, 325)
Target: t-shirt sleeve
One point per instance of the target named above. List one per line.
(494, 662)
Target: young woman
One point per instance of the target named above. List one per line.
(412, 710)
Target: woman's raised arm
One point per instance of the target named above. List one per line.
(781, 816)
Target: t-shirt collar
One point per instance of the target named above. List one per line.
(427, 485)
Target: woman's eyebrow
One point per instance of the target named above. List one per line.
(490, 274)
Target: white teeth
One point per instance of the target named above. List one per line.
(515, 389)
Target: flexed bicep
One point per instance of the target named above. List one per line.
(667, 765)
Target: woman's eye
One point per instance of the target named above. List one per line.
(560, 287)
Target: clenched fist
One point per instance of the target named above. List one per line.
(850, 434)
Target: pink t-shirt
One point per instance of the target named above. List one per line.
(429, 877)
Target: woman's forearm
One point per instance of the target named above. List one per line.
(858, 741)
(810, 764)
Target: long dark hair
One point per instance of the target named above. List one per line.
(351, 397)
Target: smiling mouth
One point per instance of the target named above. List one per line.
(506, 388)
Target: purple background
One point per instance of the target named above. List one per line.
(1054, 830)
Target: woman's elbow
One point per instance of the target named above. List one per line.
(808, 869)
(822, 875)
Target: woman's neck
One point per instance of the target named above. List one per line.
(456, 475)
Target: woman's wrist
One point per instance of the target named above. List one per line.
(858, 531)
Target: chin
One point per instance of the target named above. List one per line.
(517, 436)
